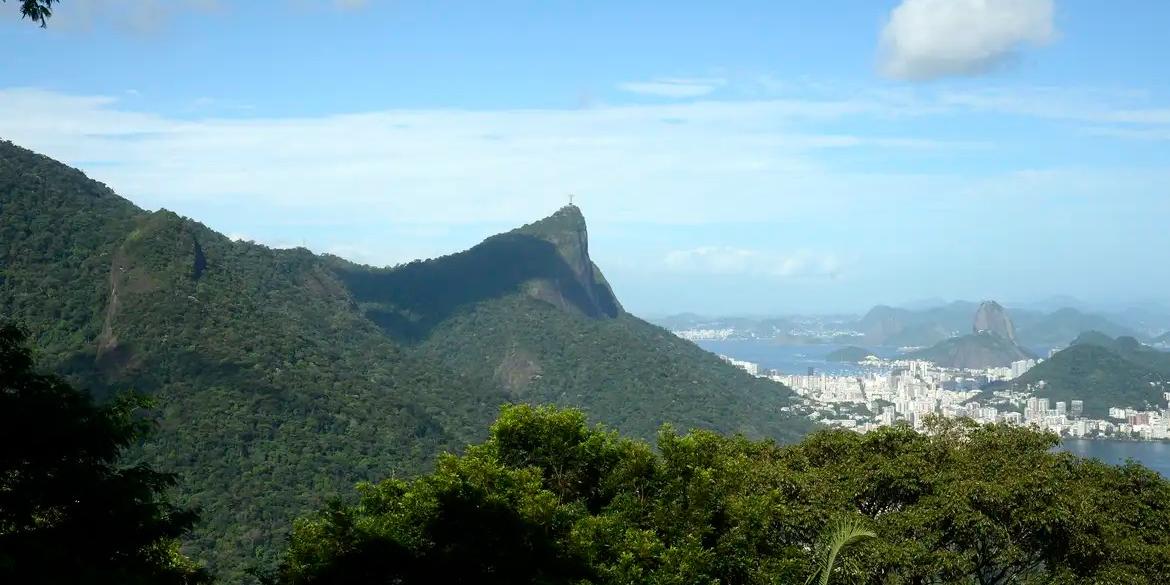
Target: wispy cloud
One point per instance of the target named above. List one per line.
(675, 87)
(723, 261)
(728, 161)
(928, 39)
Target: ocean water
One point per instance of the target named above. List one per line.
(789, 359)
(1152, 454)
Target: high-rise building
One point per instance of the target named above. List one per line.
(1042, 405)
(1078, 409)
(1061, 408)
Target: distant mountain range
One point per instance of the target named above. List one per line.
(991, 343)
(282, 376)
(887, 326)
(1103, 372)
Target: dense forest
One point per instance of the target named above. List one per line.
(549, 499)
(281, 377)
(1103, 372)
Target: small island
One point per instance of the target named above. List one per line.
(850, 354)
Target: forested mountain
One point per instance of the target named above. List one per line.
(1061, 327)
(991, 343)
(1103, 372)
(283, 377)
(848, 354)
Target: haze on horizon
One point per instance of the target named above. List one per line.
(744, 158)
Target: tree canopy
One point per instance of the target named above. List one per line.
(548, 499)
(37, 11)
(69, 512)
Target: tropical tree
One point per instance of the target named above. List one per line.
(69, 511)
(837, 537)
(37, 11)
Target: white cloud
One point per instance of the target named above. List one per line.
(450, 166)
(723, 261)
(927, 39)
(673, 87)
(701, 162)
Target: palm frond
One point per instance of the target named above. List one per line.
(836, 537)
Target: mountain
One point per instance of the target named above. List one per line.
(891, 326)
(991, 343)
(991, 318)
(976, 351)
(282, 376)
(848, 354)
(1103, 372)
(1062, 326)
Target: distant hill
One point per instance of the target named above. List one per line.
(1061, 327)
(902, 327)
(747, 327)
(975, 351)
(891, 326)
(281, 375)
(848, 354)
(991, 343)
(1103, 372)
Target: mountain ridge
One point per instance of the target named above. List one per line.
(283, 376)
(992, 343)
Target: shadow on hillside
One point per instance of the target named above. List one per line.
(409, 301)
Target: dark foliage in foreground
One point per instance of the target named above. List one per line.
(547, 499)
(69, 513)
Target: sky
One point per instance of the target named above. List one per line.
(730, 158)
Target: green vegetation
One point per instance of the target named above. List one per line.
(976, 351)
(548, 499)
(848, 354)
(282, 377)
(38, 11)
(69, 511)
(1103, 372)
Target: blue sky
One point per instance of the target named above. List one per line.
(735, 157)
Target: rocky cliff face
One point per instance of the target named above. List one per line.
(991, 344)
(992, 318)
(567, 232)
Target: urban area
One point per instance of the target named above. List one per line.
(887, 392)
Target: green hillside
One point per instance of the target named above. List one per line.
(284, 377)
(976, 351)
(1102, 372)
(849, 354)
